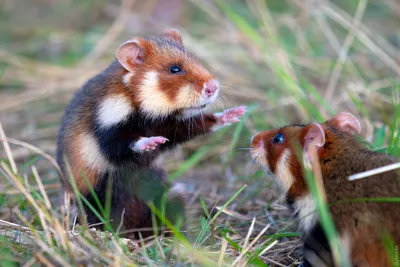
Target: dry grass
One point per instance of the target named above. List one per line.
(270, 56)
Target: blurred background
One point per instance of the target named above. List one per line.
(291, 61)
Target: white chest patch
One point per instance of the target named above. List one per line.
(92, 155)
(283, 173)
(113, 110)
(305, 207)
(153, 101)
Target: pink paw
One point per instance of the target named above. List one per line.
(230, 116)
(149, 143)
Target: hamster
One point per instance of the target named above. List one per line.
(150, 99)
(360, 225)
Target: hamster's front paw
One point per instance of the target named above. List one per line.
(228, 117)
(148, 143)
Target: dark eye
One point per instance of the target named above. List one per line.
(278, 138)
(175, 69)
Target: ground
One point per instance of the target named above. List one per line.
(290, 61)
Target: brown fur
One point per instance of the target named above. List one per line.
(341, 156)
(99, 137)
(161, 54)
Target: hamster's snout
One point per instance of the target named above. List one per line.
(252, 138)
(211, 87)
(257, 145)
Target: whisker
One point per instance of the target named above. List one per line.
(251, 163)
(247, 170)
(245, 156)
(220, 101)
(202, 120)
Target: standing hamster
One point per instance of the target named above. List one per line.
(148, 100)
(361, 226)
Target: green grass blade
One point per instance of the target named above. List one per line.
(394, 140)
(219, 212)
(204, 207)
(93, 193)
(325, 218)
(180, 237)
(189, 163)
(308, 87)
(379, 138)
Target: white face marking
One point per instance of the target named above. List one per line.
(153, 102)
(113, 110)
(127, 78)
(258, 153)
(91, 154)
(305, 207)
(285, 177)
(187, 97)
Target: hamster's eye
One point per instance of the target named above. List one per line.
(278, 138)
(175, 69)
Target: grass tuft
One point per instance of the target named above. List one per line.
(289, 61)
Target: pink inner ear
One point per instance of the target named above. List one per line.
(347, 122)
(315, 138)
(129, 54)
(173, 34)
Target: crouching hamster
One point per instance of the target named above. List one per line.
(148, 100)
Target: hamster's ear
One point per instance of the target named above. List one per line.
(346, 122)
(130, 54)
(173, 34)
(314, 137)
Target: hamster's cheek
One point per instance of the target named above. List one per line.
(187, 97)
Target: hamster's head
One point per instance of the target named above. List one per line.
(277, 149)
(164, 77)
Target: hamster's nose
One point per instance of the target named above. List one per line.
(211, 87)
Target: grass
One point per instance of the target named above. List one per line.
(291, 61)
